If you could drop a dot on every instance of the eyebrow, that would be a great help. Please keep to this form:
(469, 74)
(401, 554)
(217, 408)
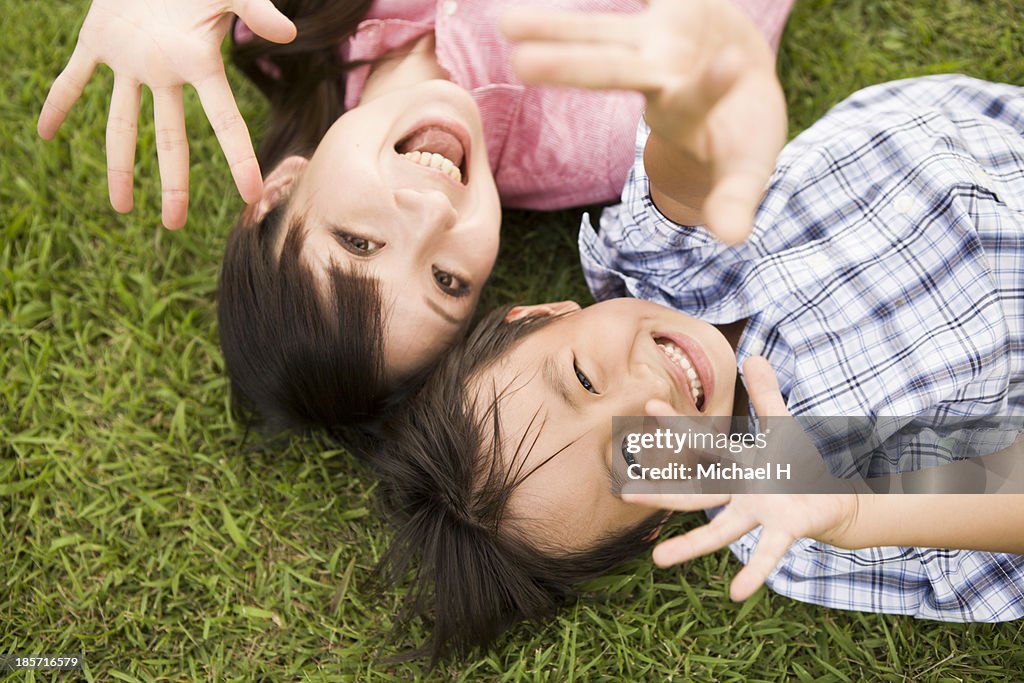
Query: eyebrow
(437, 308)
(556, 382)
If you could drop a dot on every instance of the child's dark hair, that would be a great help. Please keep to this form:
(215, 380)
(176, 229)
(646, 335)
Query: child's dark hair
(443, 476)
(298, 357)
(290, 351)
(305, 86)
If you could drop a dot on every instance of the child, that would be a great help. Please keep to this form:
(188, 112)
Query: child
(364, 255)
(882, 279)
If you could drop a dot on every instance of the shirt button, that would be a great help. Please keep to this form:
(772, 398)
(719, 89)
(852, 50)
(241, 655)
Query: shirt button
(903, 204)
(450, 6)
(982, 178)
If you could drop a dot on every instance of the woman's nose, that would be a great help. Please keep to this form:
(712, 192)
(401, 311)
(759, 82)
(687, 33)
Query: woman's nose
(430, 210)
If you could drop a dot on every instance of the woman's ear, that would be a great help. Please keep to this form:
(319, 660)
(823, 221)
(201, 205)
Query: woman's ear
(276, 187)
(554, 308)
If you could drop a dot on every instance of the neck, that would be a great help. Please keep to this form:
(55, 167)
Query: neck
(403, 67)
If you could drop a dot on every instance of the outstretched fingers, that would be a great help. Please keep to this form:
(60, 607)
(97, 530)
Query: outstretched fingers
(578, 49)
(584, 65)
(122, 132)
(771, 547)
(232, 134)
(172, 154)
(725, 528)
(64, 92)
(531, 24)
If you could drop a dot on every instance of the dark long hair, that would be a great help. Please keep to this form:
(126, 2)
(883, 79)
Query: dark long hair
(300, 351)
(307, 91)
(475, 571)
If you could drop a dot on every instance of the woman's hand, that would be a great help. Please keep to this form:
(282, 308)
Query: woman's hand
(164, 45)
(714, 104)
(783, 517)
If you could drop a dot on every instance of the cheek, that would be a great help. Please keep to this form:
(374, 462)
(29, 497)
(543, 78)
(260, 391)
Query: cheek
(481, 254)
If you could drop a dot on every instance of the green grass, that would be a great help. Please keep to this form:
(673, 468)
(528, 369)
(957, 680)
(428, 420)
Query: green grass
(141, 528)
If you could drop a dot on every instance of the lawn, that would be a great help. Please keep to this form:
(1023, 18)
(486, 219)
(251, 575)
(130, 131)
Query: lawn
(143, 529)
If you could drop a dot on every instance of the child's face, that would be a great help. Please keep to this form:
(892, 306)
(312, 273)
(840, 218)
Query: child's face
(561, 386)
(427, 232)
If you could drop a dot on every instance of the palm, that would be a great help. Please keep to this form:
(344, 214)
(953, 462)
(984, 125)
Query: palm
(164, 45)
(783, 518)
(158, 43)
(730, 120)
(710, 85)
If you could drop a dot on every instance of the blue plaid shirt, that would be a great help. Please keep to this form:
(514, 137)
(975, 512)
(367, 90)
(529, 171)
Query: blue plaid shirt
(885, 279)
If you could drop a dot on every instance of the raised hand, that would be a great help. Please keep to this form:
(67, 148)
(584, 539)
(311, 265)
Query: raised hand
(164, 45)
(783, 517)
(714, 104)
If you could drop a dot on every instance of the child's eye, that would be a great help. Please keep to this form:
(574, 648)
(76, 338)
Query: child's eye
(626, 455)
(582, 377)
(360, 246)
(450, 284)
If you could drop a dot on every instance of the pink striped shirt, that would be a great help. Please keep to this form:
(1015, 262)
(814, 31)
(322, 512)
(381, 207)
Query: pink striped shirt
(549, 147)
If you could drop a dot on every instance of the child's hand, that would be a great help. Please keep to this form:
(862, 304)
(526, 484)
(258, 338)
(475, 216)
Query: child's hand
(714, 104)
(783, 517)
(164, 45)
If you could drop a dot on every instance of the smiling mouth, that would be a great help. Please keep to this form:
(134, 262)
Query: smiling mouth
(686, 365)
(436, 147)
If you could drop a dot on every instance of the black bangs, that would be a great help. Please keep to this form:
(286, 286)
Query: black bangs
(298, 358)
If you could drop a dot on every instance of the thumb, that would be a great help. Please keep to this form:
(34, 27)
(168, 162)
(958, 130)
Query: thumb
(763, 388)
(731, 204)
(265, 20)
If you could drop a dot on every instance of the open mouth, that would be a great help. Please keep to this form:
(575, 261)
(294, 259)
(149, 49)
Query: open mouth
(684, 369)
(438, 147)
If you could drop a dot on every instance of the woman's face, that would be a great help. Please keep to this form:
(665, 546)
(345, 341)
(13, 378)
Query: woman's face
(561, 386)
(400, 188)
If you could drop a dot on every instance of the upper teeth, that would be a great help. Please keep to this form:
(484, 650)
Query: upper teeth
(434, 160)
(675, 353)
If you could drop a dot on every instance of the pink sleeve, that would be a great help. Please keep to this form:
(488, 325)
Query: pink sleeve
(769, 16)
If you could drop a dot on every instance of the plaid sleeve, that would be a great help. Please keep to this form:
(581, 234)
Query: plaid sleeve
(927, 583)
(636, 248)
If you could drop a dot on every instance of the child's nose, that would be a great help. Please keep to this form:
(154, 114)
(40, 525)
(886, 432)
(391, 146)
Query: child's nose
(645, 384)
(430, 210)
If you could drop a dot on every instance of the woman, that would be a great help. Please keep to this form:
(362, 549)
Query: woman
(363, 256)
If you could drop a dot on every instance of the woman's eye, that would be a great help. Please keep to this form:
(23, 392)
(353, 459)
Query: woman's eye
(360, 246)
(584, 380)
(450, 284)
